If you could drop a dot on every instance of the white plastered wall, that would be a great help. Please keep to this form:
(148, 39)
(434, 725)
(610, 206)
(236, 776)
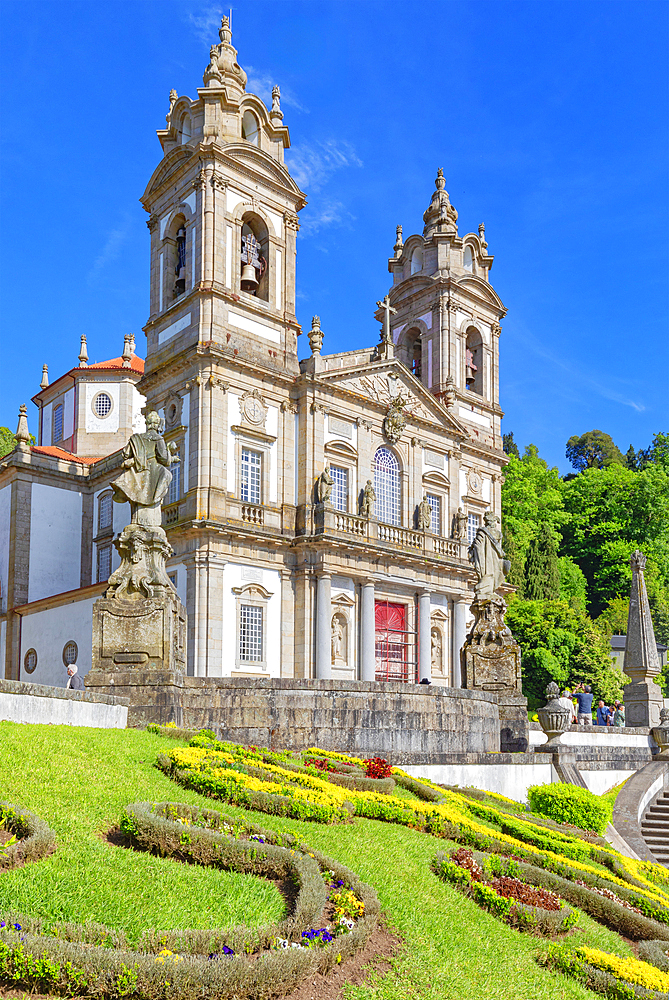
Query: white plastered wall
(47, 632)
(272, 427)
(233, 418)
(344, 586)
(55, 541)
(110, 423)
(236, 575)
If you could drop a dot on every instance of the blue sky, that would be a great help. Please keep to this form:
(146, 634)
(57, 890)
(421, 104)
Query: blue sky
(549, 119)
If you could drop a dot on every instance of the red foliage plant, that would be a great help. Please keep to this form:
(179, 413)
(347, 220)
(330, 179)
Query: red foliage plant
(377, 767)
(504, 885)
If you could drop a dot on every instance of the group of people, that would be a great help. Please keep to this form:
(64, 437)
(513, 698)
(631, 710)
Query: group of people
(579, 702)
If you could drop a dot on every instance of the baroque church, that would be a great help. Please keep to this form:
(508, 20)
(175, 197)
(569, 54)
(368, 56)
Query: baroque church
(320, 510)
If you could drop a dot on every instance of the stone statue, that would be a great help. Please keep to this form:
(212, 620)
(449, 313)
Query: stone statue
(487, 557)
(337, 639)
(368, 500)
(212, 72)
(147, 476)
(435, 641)
(460, 524)
(424, 520)
(324, 485)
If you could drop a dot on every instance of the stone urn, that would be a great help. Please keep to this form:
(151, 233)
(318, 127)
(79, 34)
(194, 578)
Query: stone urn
(554, 717)
(661, 732)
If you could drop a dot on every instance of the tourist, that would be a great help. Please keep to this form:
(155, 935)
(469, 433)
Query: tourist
(567, 703)
(74, 682)
(618, 714)
(584, 697)
(602, 713)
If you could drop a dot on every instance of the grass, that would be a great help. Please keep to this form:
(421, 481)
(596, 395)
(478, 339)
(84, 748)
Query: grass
(79, 779)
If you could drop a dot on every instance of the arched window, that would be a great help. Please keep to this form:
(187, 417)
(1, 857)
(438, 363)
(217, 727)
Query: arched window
(250, 130)
(468, 260)
(185, 130)
(105, 512)
(416, 260)
(57, 423)
(387, 486)
(175, 243)
(254, 279)
(416, 358)
(474, 361)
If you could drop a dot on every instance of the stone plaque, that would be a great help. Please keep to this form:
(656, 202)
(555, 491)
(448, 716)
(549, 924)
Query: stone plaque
(125, 634)
(341, 427)
(434, 459)
(251, 574)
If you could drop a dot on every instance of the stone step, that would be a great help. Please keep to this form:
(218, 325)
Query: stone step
(658, 811)
(658, 829)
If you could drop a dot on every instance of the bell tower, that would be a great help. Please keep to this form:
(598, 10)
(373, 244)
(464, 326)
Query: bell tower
(223, 222)
(446, 324)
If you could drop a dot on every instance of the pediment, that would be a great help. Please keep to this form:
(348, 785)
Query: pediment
(381, 382)
(476, 284)
(171, 164)
(262, 165)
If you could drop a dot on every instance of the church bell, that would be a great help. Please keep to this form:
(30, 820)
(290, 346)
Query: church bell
(249, 281)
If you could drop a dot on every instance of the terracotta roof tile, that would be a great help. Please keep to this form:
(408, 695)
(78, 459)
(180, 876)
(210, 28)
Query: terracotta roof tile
(66, 456)
(137, 364)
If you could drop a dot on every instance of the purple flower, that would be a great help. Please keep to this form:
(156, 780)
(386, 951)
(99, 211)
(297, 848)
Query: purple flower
(227, 951)
(2, 923)
(17, 927)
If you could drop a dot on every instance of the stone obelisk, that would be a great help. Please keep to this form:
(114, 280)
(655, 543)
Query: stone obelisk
(139, 625)
(643, 697)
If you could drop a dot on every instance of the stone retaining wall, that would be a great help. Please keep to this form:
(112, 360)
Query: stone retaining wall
(41, 704)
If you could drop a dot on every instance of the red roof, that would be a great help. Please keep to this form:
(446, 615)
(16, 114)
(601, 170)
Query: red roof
(66, 456)
(137, 364)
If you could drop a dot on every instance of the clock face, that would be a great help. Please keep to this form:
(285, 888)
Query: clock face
(254, 411)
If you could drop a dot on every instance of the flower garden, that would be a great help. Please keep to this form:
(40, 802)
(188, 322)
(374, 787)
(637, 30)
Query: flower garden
(344, 839)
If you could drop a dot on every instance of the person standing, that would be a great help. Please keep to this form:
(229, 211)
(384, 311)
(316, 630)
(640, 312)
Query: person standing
(74, 681)
(567, 703)
(618, 714)
(602, 713)
(584, 697)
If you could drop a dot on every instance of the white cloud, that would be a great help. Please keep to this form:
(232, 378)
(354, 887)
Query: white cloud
(109, 253)
(312, 164)
(206, 24)
(261, 83)
(325, 213)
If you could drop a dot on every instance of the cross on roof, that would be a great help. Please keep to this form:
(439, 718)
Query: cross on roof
(387, 309)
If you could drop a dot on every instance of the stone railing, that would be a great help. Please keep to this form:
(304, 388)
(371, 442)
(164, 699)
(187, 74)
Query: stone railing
(329, 521)
(252, 513)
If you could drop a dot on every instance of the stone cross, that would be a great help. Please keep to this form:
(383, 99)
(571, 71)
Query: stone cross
(388, 309)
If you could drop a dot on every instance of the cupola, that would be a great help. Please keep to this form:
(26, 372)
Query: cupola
(440, 216)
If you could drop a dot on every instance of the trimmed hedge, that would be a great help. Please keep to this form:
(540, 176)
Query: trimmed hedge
(566, 961)
(35, 838)
(655, 952)
(570, 804)
(91, 960)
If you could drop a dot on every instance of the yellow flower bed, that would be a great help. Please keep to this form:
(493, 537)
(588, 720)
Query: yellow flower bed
(341, 757)
(632, 970)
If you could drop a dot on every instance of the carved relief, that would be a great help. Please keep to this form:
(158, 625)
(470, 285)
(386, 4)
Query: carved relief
(395, 420)
(474, 482)
(253, 408)
(378, 388)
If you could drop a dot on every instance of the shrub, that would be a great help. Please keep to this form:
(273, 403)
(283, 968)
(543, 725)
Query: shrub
(378, 767)
(34, 838)
(656, 953)
(570, 804)
(614, 977)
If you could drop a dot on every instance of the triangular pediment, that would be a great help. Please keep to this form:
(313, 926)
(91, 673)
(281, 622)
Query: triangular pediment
(171, 164)
(380, 382)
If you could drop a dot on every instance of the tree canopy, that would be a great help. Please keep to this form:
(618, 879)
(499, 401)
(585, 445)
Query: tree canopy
(593, 450)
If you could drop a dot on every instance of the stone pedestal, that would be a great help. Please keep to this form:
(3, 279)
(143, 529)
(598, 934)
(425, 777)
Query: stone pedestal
(153, 695)
(643, 697)
(643, 703)
(491, 662)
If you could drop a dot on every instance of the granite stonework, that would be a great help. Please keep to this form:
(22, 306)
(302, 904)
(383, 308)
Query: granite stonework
(491, 662)
(148, 633)
(42, 704)
(643, 697)
(632, 802)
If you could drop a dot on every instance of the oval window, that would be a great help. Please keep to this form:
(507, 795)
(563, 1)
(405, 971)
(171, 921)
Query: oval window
(102, 404)
(70, 652)
(30, 661)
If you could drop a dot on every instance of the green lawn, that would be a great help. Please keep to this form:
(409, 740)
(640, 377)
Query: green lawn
(78, 780)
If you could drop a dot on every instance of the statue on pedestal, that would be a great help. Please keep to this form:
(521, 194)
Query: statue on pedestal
(487, 557)
(460, 525)
(424, 517)
(324, 485)
(368, 498)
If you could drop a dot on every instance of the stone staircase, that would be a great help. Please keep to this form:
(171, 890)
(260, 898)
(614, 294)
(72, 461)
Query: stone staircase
(655, 827)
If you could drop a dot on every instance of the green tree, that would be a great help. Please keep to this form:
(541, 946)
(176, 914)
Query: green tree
(531, 496)
(516, 575)
(592, 450)
(8, 441)
(657, 453)
(611, 512)
(541, 577)
(509, 445)
(573, 585)
(562, 644)
(631, 460)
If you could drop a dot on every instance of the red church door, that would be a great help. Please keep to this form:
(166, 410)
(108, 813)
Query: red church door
(393, 643)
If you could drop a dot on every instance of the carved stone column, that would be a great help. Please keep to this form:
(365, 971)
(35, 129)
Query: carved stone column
(323, 627)
(367, 633)
(424, 637)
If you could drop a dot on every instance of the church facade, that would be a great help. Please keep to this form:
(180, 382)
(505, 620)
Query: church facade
(320, 510)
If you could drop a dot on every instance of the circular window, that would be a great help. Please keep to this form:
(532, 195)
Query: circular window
(102, 404)
(70, 653)
(30, 661)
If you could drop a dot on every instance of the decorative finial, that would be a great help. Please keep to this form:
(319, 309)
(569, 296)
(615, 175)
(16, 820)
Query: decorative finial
(83, 352)
(224, 32)
(173, 100)
(399, 243)
(449, 392)
(127, 354)
(22, 433)
(276, 111)
(132, 344)
(316, 336)
(638, 561)
(482, 236)
(45, 377)
(440, 183)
